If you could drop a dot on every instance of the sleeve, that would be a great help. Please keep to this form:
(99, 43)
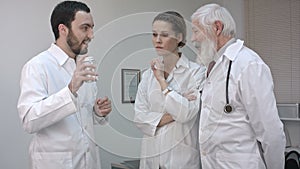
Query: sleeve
(145, 119)
(36, 108)
(102, 120)
(97, 120)
(181, 109)
(256, 88)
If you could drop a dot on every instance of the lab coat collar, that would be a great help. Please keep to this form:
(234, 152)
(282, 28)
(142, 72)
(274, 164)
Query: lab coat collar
(181, 65)
(232, 50)
(60, 56)
(183, 61)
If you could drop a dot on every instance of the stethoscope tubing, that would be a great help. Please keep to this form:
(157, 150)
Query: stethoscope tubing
(228, 107)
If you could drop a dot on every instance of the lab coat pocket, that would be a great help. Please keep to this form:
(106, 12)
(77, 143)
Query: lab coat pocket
(52, 160)
(238, 161)
(184, 156)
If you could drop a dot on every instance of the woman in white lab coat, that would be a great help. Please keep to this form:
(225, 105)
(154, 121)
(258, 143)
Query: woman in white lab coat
(169, 120)
(239, 124)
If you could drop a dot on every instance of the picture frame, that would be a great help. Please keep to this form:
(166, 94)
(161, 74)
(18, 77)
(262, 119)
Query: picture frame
(130, 81)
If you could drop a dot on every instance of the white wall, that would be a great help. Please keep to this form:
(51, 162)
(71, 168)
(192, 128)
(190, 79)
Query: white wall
(122, 40)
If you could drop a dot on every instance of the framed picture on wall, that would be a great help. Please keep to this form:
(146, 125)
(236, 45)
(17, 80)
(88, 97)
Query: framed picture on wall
(130, 81)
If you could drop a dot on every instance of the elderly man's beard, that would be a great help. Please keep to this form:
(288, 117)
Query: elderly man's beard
(206, 51)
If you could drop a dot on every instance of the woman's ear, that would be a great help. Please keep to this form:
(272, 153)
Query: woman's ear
(179, 38)
(218, 27)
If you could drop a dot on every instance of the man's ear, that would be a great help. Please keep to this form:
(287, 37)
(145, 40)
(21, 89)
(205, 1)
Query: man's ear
(63, 30)
(218, 27)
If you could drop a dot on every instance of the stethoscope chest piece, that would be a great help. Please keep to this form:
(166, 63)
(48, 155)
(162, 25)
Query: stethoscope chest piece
(227, 108)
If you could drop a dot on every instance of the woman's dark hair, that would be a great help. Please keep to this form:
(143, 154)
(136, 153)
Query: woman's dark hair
(64, 13)
(177, 22)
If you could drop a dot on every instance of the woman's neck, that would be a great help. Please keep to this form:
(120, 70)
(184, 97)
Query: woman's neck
(170, 61)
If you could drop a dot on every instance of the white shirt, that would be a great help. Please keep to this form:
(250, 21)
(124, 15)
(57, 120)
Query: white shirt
(62, 124)
(172, 146)
(230, 140)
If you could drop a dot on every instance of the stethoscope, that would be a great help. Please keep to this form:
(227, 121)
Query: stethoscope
(228, 107)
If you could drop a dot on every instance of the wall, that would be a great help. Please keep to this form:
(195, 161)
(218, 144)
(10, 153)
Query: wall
(122, 40)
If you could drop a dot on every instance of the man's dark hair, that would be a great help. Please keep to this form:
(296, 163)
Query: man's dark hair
(64, 13)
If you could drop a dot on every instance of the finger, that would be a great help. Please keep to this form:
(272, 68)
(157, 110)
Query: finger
(85, 76)
(101, 101)
(107, 102)
(83, 65)
(155, 61)
(104, 104)
(88, 72)
(152, 64)
(191, 97)
(78, 78)
(188, 93)
(104, 107)
(87, 66)
(105, 111)
(80, 58)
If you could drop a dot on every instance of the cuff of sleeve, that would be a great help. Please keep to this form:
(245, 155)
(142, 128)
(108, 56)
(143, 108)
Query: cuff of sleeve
(100, 120)
(99, 115)
(72, 96)
(153, 129)
(176, 106)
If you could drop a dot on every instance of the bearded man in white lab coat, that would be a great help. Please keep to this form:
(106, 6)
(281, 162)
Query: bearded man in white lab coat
(230, 136)
(56, 102)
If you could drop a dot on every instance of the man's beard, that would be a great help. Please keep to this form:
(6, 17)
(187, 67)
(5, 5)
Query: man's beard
(206, 51)
(75, 45)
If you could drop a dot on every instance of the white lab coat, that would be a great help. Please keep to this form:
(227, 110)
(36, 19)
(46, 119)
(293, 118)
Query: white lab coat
(62, 124)
(229, 141)
(175, 145)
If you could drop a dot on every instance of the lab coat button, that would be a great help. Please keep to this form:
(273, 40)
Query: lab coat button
(203, 153)
(85, 127)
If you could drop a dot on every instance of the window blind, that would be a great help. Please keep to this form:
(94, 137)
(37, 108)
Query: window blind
(273, 31)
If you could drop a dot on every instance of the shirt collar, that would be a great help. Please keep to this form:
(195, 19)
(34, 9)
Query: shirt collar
(223, 49)
(181, 65)
(233, 49)
(60, 56)
(182, 62)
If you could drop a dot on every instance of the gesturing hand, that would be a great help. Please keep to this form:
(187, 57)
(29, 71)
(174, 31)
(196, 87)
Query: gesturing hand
(83, 72)
(158, 69)
(102, 106)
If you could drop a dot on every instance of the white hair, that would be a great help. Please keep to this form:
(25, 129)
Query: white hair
(208, 14)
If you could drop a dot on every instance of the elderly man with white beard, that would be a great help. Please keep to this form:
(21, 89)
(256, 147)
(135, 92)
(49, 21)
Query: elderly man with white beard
(239, 123)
